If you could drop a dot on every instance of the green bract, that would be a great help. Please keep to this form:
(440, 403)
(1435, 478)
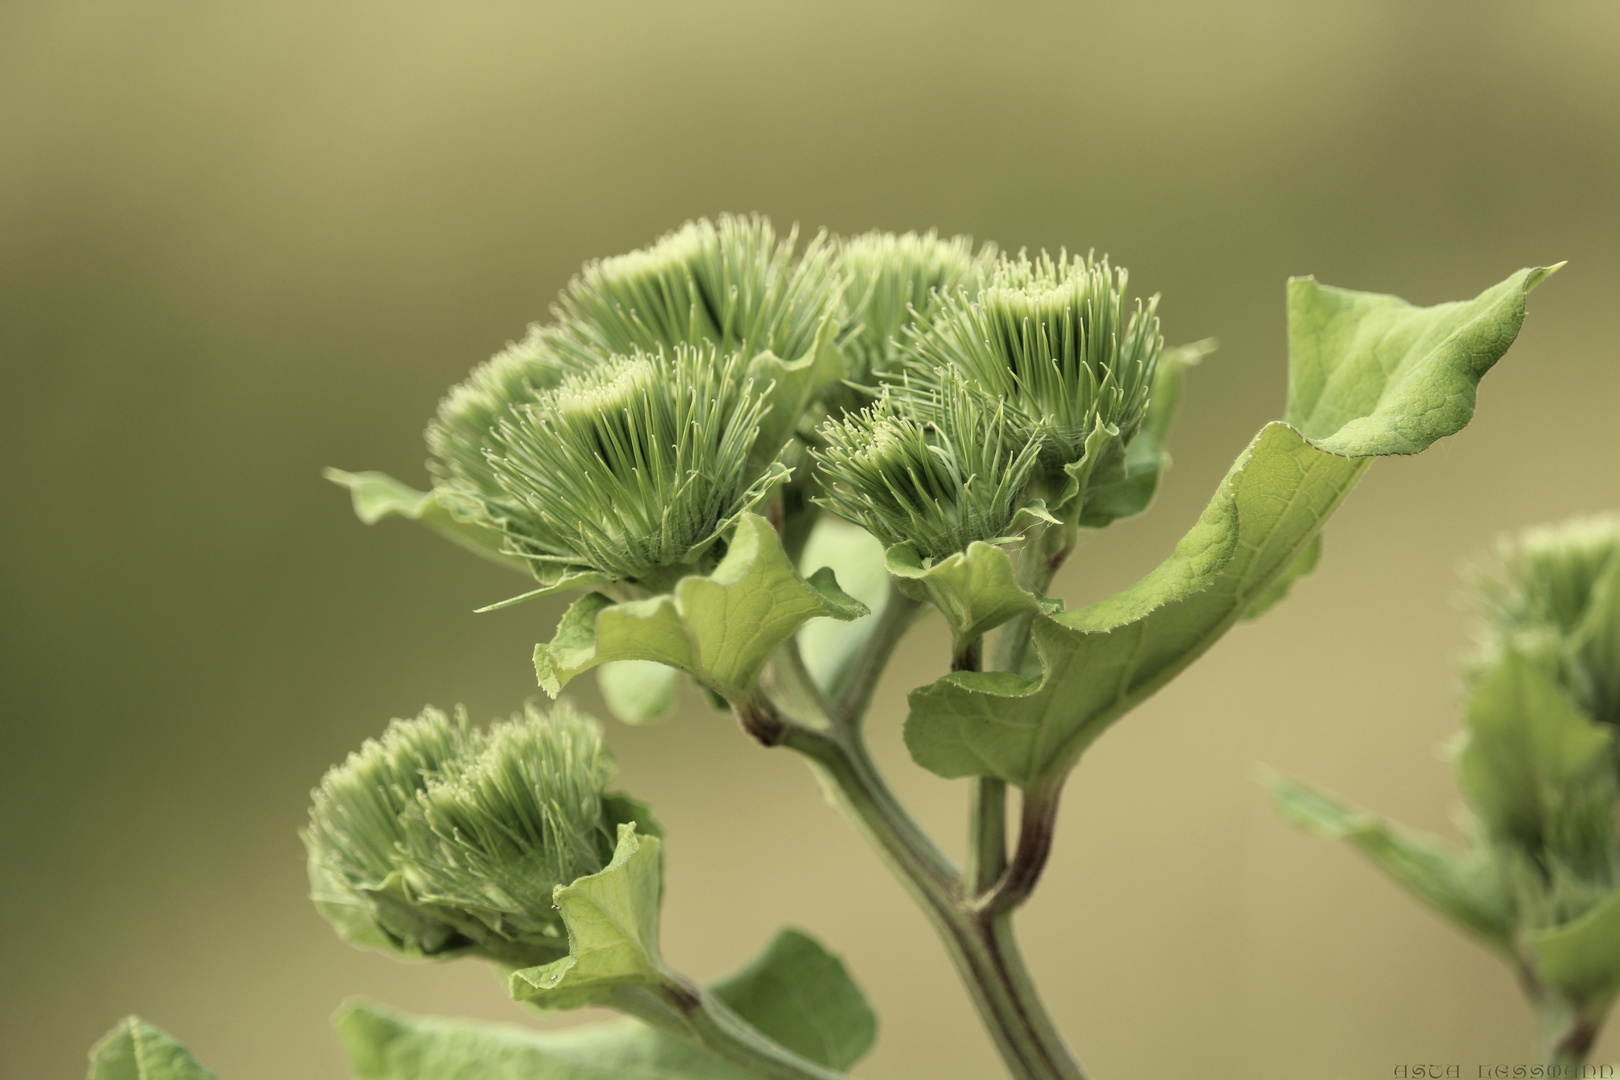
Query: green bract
(939, 484)
(437, 839)
(895, 282)
(627, 473)
(1055, 340)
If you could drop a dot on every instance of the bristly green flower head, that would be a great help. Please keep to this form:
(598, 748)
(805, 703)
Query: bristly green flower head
(629, 473)
(732, 283)
(1057, 341)
(896, 281)
(459, 434)
(1552, 595)
(940, 483)
(438, 840)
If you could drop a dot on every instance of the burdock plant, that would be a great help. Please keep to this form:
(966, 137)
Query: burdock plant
(705, 438)
(1539, 881)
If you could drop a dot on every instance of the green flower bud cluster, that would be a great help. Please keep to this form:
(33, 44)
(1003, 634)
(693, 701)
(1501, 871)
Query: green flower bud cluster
(631, 471)
(895, 282)
(439, 840)
(940, 483)
(1553, 597)
(618, 443)
(732, 283)
(1055, 339)
(1030, 386)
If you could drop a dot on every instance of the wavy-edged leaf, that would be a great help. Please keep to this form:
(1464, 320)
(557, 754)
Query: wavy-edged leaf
(797, 993)
(1370, 374)
(1582, 958)
(377, 495)
(1145, 457)
(638, 691)
(721, 629)
(1101, 661)
(1527, 747)
(975, 590)
(612, 922)
(1451, 881)
(136, 1050)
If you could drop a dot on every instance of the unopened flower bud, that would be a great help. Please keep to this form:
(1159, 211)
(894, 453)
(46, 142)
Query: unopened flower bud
(1056, 340)
(940, 483)
(438, 840)
(894, 282)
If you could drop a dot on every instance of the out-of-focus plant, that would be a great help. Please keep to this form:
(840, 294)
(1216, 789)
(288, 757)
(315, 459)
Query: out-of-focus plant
(705, 439)
(1539, 879)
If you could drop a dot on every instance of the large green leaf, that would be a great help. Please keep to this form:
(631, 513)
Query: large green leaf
(1527, 748)
(1582, 958)
(135, 1050)
(612, 922)
(796, 993)
(1145, 457)
(721, 629)
(1458, 885)
(1101, 661)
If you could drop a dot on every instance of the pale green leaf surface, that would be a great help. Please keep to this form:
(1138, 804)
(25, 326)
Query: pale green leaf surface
(377, 495)
(1302, 566)
(1370, 374)
(1582, 957)
(638, 691)
(1526, 745)
(796, 993)
(136, 1050)
(612, 922)
(975, 590)
(1145, 457)
(1099, 662)
(831, 646)
(1435, 872)
(721, 629)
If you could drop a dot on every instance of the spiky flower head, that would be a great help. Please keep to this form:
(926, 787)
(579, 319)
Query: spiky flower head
(893, 282)
(1056, 340)
(730, 282)
(629, 472)
(437, 839)
(1552, 595)
(940, 483)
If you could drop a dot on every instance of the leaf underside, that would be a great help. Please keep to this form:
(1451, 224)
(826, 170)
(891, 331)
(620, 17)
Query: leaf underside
(136, 1050)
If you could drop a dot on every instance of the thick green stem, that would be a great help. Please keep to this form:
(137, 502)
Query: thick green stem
(692, 1014)
(979, 943)
(987, 834)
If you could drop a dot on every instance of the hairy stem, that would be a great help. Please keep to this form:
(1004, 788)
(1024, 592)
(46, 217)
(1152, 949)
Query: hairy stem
(692, 1014)
(1037, 826)
(1565, 1029)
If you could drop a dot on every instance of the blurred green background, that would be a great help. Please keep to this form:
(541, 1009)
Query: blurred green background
(238, 244)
